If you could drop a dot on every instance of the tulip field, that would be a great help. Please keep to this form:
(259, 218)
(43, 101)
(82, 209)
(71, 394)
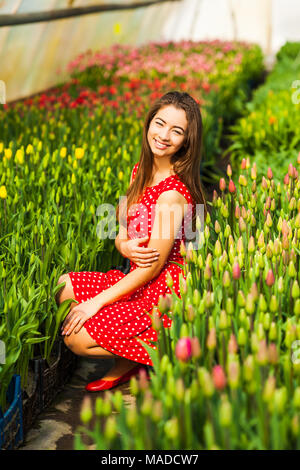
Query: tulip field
(227, 373)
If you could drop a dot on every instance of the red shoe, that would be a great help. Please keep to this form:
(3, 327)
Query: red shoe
(100, 384)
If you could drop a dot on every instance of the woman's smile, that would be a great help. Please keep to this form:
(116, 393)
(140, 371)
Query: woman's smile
(159, 145)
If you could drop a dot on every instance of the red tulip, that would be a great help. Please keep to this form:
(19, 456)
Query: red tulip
(243, 164)
(231, 187)
(219, 377)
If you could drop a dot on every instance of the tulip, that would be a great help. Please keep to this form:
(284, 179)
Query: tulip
(223, 321)
(241, 301)
(86, 413)
(264, 183)
(211, 339)
(242, 337)
(243, 164)
(233, 373)
(269, 388)
(236, 271)
(196, 349)
(262, 353)
(225, 413)
(291, 270)
(226, 279)
(229, 170)
(269, 173)
(183, 349)
(243, 180)
(231, 187)
(222, 184)
(232, 344)
(273, 354)
(229, 306)
(251, 245)
(217, 227)
(273, 332)
(3, 192)
(219, 377)
(270, 278)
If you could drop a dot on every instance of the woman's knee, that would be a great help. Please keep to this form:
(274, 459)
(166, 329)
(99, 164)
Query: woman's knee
(66, 289)
(73, 343)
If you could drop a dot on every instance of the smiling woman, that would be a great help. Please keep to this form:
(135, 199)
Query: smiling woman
(113, 307)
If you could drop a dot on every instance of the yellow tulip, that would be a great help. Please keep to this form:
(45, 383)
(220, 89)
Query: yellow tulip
(7, 153)
(73, 179)
(1, 147)
(20, 156)
(121, 174)
(29, 149)
(75, 165)
(3, 192)
(79, 152)
(63, 152)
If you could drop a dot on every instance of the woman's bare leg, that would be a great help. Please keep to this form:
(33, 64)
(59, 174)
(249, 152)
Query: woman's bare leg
(82, 344)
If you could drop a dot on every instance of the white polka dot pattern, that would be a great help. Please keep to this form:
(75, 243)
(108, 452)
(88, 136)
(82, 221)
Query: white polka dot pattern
(116, 326)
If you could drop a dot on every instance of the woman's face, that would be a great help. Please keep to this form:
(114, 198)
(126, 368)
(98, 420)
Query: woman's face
(167, 131)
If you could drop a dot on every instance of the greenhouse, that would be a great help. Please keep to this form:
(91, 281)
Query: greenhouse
(149, 227)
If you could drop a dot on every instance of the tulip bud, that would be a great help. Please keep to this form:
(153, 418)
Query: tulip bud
(273, 332)
(269, 389)
(280, 398)
(270, 278)
(222, 184)
(262, 353)
(241, 301)
(229, 171)
(211, 339)
(226, 279)
(223, 321)
(248, 368)
(225, 414)
(250, 305)
(242, 337)
(273, 354)
(251, 245)
(291, 270)
(196, 349)
(86, 413)
(233, 373)
(269, 173)
(229, 306)
(183, 349)
(273, 304)
(231, 187)
(236, 271)
(219, 378)
(232, 344)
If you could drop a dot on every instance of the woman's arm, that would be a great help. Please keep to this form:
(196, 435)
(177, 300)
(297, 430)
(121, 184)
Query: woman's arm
(167, 222)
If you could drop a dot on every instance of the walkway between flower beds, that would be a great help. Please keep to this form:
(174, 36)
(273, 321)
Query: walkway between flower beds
(55, 427)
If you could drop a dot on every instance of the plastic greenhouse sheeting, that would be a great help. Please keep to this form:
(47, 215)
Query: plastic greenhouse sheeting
(33, 57)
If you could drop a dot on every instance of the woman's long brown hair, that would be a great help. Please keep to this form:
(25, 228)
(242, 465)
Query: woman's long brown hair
(186, 161)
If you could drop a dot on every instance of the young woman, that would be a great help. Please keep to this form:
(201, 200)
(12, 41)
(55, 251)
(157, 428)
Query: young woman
(114, 308)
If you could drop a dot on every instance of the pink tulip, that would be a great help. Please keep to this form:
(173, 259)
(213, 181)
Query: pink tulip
(291, 170)
(222, 184)
(236, 271)
(232, 344)
(243, 164)
(270, 279)
(183, 349)
(219, 377)
(286, 179)
(269, 173)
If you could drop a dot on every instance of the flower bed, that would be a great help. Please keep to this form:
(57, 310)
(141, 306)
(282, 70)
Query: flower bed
(227, 373)
(268, 131)
(65, 152)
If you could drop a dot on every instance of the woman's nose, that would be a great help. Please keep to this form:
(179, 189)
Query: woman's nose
(164, 134)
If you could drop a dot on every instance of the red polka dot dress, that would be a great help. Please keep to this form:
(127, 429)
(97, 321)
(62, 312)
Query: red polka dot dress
(116, 326)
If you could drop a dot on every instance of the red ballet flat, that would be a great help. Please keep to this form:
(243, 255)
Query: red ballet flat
(100, 384)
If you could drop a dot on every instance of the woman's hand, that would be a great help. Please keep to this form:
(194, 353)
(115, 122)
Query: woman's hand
(141, 256)
(79, 315)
